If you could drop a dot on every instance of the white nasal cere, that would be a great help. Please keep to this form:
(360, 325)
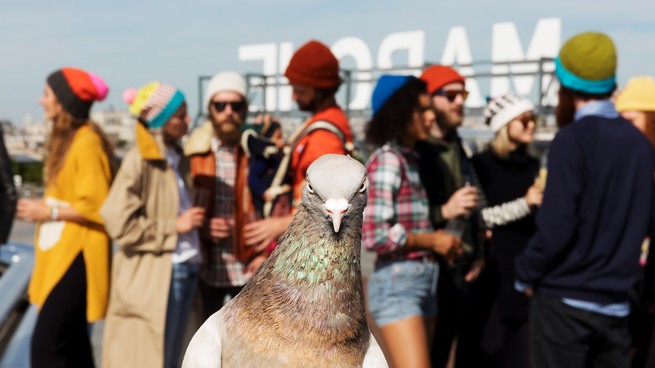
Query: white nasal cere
(336, 205)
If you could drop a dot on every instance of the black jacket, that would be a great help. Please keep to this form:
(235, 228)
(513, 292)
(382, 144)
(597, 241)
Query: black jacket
(505, 180)
(8, 195)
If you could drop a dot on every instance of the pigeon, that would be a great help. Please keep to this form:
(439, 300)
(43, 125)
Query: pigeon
(305, 305)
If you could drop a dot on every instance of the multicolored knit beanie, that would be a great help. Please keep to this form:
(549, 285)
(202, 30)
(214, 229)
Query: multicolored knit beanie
(501, 110)
(154, 104)
(438, 76)
(76, 90)
(587, 63)
(314, 65)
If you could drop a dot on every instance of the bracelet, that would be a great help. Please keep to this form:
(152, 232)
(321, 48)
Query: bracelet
(54, 213)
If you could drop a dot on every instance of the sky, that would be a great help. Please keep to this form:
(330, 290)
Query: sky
(130, 43)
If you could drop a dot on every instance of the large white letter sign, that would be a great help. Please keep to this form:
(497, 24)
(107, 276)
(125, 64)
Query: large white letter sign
(458, 52)
(413, 42)
(506, 48)
(284, 92)
(267, 52)
(357, 49)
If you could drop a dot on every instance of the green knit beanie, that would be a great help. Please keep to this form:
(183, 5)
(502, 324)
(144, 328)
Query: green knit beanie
(587, 63)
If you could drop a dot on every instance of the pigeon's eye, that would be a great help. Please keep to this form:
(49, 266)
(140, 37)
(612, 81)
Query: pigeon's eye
(362, 189)
(311, 190)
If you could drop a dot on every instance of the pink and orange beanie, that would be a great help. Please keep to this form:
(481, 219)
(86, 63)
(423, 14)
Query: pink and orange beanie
(76, 90)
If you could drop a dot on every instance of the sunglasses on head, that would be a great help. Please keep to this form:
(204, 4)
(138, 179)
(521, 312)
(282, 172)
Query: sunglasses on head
(235, 106)
(451, 94)
(526, 119)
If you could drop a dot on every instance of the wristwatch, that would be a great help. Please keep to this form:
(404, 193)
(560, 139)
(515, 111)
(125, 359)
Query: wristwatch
(54, 213)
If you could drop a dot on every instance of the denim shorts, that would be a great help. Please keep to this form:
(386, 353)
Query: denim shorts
(402, 289)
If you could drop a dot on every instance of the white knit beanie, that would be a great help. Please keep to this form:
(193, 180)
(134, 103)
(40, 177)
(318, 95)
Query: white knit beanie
(503, 109)
(225, 82)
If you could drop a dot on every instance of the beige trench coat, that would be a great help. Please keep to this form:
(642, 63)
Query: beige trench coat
(140, 214)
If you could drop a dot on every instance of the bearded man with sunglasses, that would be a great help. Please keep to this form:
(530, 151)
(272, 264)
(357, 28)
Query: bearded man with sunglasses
(219, 169)
(451, 185)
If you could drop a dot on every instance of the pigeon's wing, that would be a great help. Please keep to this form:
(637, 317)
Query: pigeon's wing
(374, 357)
(205, 348)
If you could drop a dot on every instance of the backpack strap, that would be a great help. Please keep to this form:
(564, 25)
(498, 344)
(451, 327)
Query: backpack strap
(321, 124)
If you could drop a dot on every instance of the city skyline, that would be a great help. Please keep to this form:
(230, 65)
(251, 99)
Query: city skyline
(130, 43)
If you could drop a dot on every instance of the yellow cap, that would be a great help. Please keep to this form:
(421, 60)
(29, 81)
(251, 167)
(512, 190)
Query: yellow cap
(638, 95)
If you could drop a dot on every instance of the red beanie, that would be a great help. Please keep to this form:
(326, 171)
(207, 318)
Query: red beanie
(314, 65)
(438, 76)
(76, 90)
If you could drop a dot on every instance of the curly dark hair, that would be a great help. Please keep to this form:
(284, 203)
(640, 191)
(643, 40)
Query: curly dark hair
(393, 119)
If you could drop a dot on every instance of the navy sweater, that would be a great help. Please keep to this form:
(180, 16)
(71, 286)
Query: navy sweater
(596, 211)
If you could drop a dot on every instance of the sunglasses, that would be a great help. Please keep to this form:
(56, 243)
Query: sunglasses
(527, 119)
(451, 94)
(236, 106)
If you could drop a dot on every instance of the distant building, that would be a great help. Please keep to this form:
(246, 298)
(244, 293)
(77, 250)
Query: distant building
(118, 125)
(30, 139)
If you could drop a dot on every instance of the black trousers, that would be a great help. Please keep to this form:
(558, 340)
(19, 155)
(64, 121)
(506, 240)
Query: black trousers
(507, 342)
(564, 336)
(213, 298)
(61, 335)
(462, 313)
(645, 356)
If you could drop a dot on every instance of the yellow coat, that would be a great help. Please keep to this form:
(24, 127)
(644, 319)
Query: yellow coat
(82, 183)
(140, 214)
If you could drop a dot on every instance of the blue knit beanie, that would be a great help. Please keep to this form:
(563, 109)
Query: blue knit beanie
(386, 87)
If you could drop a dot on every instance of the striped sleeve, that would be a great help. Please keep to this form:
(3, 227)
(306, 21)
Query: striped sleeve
(506, 213)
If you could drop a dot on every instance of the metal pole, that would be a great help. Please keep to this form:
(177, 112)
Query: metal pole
(540, 85)
(264, 90)
(200, 109)
(348, 80)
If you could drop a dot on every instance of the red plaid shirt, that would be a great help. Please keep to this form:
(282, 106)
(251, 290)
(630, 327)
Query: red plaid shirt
(223, 269)
(397, 203)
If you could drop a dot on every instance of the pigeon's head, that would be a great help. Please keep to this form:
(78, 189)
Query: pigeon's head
(336, 189)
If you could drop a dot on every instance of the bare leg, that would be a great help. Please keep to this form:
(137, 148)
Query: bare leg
(453, 354)
(406, 342)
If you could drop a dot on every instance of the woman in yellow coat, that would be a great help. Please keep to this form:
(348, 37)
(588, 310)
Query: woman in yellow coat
(150, 216)
(70, 281)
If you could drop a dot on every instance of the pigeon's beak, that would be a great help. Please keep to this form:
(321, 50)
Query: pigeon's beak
(336, 209)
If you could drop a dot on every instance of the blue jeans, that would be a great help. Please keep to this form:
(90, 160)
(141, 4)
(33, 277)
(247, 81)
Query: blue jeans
(180, 298)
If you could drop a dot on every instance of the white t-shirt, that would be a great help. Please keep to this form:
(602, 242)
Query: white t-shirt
(188, 244)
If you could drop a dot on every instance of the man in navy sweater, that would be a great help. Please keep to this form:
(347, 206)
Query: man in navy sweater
(597, 208)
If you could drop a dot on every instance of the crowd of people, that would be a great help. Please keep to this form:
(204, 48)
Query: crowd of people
(480, 262)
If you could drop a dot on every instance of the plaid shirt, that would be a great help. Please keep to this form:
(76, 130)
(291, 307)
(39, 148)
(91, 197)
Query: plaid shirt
(222, 269)
(397, 203)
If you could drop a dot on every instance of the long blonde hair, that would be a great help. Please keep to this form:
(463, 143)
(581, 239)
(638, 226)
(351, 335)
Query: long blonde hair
(501, 143)
(59, 141)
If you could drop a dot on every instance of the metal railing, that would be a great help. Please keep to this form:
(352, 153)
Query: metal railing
(17, 261)
(259, 84)
(474, 132)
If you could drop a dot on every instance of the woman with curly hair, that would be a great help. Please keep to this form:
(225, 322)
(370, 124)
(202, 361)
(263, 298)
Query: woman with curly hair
(402, 289)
